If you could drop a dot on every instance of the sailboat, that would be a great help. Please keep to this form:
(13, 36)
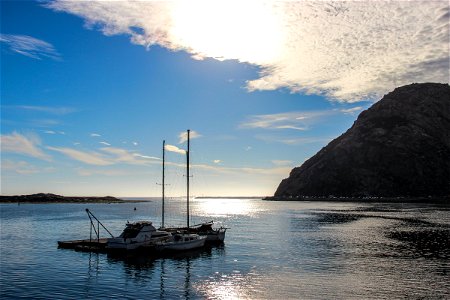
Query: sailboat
(180, 240)
(213, 235)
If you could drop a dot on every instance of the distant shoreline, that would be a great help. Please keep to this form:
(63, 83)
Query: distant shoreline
(52, 198)
(430, 199)
(229, 197)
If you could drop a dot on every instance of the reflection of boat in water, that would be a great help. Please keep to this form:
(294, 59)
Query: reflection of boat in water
(213, 235)
(166, 276)
(137, 235)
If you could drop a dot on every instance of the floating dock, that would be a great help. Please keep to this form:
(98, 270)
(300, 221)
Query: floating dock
(93, 245)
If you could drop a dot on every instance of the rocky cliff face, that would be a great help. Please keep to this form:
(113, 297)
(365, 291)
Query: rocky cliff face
(398, 147)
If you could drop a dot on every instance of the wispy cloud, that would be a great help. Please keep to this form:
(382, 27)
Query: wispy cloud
(346, 50)
(54, 132)
(146, 156)
(25, 145)
(30, 46)
(175, 149)
(247, 170)
(288, 120)
(90, 158)
(282, 162)
(119, 155)
(217, 161)
(293, 141)
(105, 143)
(353, 110)
(192, 135)
(46, 109)
(105, 156)
(19, 167)
(95, 135)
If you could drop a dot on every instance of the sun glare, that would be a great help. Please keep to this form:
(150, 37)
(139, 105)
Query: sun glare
(245, 30)
(226, 207)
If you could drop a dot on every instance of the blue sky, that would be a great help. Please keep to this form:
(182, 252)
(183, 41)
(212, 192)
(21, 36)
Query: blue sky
(89, 90)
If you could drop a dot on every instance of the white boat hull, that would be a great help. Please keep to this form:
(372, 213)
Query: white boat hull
(182, 245)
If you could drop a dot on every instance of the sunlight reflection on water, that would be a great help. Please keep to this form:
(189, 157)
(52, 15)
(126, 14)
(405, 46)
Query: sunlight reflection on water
(225, 207)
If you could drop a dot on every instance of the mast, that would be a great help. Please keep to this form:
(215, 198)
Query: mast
(187, 177)
(163, 183)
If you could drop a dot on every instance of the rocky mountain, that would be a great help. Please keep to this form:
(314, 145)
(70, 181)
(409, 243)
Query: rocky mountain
(399, 147)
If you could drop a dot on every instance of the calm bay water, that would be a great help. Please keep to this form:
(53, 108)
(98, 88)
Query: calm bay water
(273, 250)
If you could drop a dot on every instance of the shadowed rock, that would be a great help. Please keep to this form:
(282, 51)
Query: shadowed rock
(398, 147)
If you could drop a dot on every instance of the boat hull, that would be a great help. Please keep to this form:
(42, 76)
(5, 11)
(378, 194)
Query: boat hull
(205, 229)
(117, 245)
(182, 245)
(215, 237)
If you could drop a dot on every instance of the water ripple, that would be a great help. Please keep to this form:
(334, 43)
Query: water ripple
(274, 250)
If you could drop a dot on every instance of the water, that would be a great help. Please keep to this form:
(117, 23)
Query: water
(274, 250)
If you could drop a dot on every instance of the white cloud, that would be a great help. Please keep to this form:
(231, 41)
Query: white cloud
(90, 158)
(146, 156)
(106, 156)
(95, 135)
(248, 170)
(353, 110)
(351, 50)
(346, 50)
(105, 143)
(293, 141)
(217, 161)
(175, 149)
(25, 145)
(119, 155)
(135, 143)
(54, 132)
(282, 162)
(289, 120)
(192, 135)
(291, 127)
(30, 46)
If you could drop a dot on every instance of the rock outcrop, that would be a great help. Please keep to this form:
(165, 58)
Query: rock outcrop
(399, 147)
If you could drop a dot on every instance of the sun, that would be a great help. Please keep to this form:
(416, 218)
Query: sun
(248, 31)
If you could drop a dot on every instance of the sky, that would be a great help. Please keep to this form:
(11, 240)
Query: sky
(90, 89)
